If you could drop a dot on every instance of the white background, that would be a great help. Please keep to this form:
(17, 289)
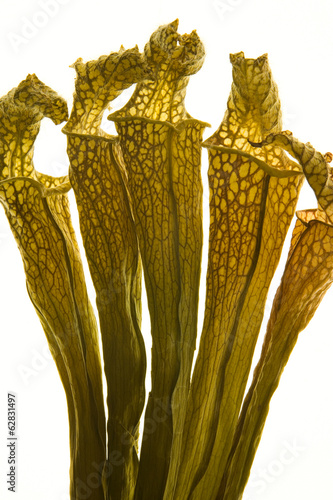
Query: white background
(298, 37)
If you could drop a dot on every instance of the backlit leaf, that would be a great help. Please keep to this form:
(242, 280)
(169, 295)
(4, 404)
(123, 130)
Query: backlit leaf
(307, 276)
(253, 194)
(99, 181)
(38, 212)
(161, 148)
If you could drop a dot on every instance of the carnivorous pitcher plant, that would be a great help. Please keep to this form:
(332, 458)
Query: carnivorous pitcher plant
(139, 199)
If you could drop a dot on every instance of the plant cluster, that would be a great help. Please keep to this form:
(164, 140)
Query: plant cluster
(139, 198)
